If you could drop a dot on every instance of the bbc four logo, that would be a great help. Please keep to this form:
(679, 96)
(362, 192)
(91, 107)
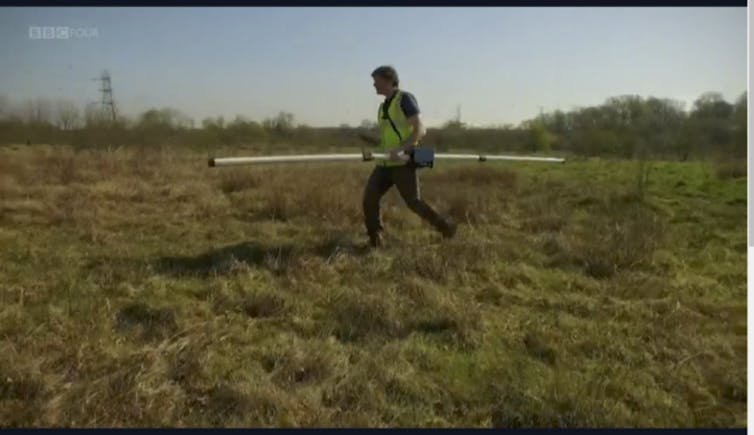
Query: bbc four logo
(62, 32)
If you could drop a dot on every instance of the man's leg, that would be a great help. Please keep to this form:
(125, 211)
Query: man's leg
(407, 182)
(378, 183)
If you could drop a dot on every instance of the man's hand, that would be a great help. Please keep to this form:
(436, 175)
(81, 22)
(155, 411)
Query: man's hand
(408, 144)
(397, 155)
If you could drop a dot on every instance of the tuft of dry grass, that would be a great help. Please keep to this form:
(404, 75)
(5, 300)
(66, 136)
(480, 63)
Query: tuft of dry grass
(358, 316)
(625, 240)
(482, 176)
(237, 180)
(153, 322)
(731, 170)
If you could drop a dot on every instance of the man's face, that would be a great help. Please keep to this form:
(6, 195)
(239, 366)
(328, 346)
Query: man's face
(382, 86)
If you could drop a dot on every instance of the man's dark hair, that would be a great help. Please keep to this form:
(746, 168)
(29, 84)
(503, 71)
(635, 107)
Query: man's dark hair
(387, 72)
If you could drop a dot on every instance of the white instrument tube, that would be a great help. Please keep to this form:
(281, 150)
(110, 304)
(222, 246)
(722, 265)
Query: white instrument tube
(233, 161)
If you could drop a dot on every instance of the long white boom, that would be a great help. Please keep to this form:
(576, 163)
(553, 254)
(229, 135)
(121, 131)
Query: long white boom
(483, 157)
(232, 161)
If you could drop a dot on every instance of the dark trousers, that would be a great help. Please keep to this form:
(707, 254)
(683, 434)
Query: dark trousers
(406, 180)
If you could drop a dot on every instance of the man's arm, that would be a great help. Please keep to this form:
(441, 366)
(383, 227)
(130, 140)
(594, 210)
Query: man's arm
(417, 134)
(410, 108)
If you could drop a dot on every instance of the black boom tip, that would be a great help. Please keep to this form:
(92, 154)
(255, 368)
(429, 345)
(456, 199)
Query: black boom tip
(211, 162)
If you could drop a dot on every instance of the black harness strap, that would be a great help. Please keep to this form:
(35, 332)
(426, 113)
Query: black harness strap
(385, 115)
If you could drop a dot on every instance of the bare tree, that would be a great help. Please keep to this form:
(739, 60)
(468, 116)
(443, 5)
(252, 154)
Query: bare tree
(94, 115)
(68, 114)
(163, 118)
(38, 111)
(282, 123)
(368, 124)
(4, 107)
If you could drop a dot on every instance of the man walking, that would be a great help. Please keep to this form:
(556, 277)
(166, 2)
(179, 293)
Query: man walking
(400, 130)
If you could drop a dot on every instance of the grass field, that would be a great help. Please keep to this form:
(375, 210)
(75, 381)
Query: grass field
(141, 288)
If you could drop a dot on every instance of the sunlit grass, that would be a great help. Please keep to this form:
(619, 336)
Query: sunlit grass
(145, 289)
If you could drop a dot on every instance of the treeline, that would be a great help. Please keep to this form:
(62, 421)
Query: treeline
(631, 126)
(624, 126)
(62, 122)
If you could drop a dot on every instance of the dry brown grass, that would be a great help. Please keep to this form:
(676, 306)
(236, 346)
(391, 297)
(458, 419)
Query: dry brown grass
(141, 288)
(731, 169)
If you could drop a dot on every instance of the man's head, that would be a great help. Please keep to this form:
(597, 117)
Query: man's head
(385, 80)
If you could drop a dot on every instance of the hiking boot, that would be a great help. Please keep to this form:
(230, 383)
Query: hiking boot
(449, 230)
(375, 240)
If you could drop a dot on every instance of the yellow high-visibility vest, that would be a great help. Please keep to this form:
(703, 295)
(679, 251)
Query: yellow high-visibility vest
(394, 128)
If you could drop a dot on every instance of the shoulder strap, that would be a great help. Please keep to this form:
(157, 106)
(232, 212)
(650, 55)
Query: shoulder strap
(386, 113)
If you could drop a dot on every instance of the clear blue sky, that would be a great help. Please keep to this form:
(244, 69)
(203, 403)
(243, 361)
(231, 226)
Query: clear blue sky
(499, 64)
